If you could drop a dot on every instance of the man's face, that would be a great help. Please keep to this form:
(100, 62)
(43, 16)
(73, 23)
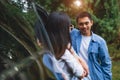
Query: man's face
(85, 24)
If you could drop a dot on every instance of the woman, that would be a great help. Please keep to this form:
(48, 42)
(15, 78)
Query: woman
(58, 30)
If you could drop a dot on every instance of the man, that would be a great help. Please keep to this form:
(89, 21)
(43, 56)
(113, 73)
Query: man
(92, 48)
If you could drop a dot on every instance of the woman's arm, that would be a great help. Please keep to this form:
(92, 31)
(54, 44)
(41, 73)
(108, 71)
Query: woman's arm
(81, 61)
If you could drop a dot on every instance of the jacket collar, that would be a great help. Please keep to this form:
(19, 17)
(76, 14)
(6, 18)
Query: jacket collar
(78, 40)
(93, 37)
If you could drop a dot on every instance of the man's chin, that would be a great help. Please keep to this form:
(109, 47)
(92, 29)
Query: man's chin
(83, 33)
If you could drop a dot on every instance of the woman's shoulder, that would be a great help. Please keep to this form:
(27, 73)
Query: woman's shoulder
(67, 55)
(51, 63)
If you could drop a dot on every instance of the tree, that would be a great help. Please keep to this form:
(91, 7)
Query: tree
(19, 58)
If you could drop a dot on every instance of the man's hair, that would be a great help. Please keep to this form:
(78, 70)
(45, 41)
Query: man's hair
(83, 14)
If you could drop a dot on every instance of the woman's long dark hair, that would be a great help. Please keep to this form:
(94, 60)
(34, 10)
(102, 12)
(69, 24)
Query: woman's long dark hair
(58, 31)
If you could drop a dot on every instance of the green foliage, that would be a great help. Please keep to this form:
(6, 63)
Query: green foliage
(107, 19)
(19, 58)
(106, 14)
(114, 51)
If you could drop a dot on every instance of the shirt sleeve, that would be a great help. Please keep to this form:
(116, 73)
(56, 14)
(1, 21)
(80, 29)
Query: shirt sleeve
(106, 63)
(73, 63)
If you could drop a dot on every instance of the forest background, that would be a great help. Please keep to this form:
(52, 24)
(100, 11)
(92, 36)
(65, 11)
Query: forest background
(106, 14)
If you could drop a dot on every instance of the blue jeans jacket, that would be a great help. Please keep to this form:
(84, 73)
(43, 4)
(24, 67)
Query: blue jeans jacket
(99, 61)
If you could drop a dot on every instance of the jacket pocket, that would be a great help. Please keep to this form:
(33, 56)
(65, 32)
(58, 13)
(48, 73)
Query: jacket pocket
(95, 68)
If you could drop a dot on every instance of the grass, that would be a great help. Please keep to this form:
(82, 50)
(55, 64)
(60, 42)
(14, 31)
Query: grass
(115, 55)
(116, 70)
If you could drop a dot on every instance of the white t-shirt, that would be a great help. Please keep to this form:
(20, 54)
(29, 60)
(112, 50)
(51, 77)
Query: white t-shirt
(70, 65)
(84, 47)
(83, 50)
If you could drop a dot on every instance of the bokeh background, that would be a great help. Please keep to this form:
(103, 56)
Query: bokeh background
(17, 38)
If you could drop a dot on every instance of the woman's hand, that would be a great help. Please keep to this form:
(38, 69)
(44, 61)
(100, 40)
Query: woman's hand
(84, 65)
(80, 60)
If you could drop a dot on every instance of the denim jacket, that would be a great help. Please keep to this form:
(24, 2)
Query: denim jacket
(99, 61)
